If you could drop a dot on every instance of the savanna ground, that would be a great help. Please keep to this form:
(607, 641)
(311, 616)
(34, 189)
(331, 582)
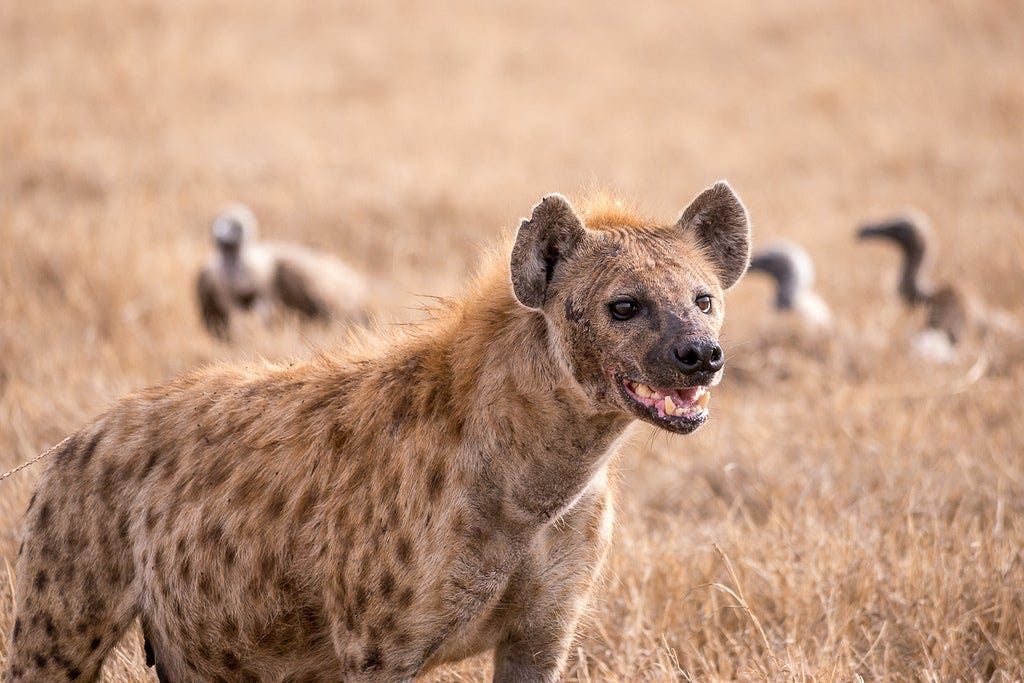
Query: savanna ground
(846, 513)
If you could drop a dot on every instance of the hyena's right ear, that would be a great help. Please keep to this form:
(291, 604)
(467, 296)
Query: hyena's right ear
(550, 235)
(718, 220)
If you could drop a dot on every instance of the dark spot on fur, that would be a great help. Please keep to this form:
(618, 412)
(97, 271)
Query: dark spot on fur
(436, 481)
(388, 622)
(48, 625)
(73, 673)
(276, 505)
(108, 480)
(49, 552)
(218, 473)
(185, 569)
(212, 533)
(44, 517)
(154, 455)
(321, 403)
(339, 437)
(373, 660)
(229, 629)
(404, 550)
(90, 448)
(123, 526)
(152, 517)
(41, 580)
(229, 555)
(244, 492)
(387, 584)
(68, 451)
(17, 629)
(572, 314)
(406, 597)
(94, 644)
(205, 584)
(40, 660)
(230, 660)
(459, 524)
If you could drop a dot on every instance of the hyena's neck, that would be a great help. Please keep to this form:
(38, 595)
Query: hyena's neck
(528, 431)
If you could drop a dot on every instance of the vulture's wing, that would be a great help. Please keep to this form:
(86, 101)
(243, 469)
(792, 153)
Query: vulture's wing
(295, 291)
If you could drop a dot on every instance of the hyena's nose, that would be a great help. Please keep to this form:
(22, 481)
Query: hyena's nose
(702, 355)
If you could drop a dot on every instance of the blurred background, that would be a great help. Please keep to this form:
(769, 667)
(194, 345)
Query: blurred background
(849, 510)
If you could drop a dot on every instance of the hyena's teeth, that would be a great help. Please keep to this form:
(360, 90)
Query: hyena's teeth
(655, 394)
(670, 407)
(703, 399)
(642, 390)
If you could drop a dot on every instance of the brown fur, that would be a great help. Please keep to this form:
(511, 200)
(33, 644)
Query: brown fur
(382, 509)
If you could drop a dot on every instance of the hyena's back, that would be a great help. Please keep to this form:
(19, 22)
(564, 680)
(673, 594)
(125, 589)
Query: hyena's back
(128, 522)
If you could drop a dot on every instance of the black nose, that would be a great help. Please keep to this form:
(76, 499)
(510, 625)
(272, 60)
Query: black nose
(702, 355)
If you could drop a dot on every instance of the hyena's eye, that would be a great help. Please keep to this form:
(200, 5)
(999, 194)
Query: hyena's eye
(703, 303)
(623, 309)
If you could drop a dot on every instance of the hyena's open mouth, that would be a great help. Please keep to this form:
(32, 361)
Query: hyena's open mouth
(681, 409)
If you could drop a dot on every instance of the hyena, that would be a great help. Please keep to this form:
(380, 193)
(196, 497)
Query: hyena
(378, 511)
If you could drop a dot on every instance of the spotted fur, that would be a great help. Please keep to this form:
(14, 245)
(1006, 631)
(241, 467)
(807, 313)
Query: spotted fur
(385, 508)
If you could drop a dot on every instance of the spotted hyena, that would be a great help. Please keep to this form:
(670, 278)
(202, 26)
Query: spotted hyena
(375, 512)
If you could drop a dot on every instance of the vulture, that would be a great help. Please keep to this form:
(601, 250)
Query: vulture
(947, 312)
(246, 274)
(790, 266)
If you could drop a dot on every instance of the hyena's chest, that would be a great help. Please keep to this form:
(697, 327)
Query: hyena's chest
(424, 593)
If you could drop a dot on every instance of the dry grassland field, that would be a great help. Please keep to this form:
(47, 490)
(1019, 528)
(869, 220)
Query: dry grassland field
(849, 512)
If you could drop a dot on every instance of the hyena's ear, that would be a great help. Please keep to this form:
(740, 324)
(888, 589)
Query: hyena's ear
(718, 220)
(550, 235)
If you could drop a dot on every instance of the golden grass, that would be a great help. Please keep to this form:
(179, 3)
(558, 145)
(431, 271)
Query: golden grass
(848, 513)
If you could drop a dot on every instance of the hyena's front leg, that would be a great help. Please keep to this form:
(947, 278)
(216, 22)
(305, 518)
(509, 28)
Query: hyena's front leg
(550, 591)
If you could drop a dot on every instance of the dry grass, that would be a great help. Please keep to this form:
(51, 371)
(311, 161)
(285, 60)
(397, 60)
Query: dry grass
(847, 513)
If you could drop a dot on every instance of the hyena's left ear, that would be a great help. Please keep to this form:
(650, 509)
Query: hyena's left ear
(550, 235)
(718, 220)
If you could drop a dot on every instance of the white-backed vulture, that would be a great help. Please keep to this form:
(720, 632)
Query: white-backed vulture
(244, 273)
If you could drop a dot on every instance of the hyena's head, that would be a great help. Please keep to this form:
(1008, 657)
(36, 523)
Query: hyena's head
(635, 308)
